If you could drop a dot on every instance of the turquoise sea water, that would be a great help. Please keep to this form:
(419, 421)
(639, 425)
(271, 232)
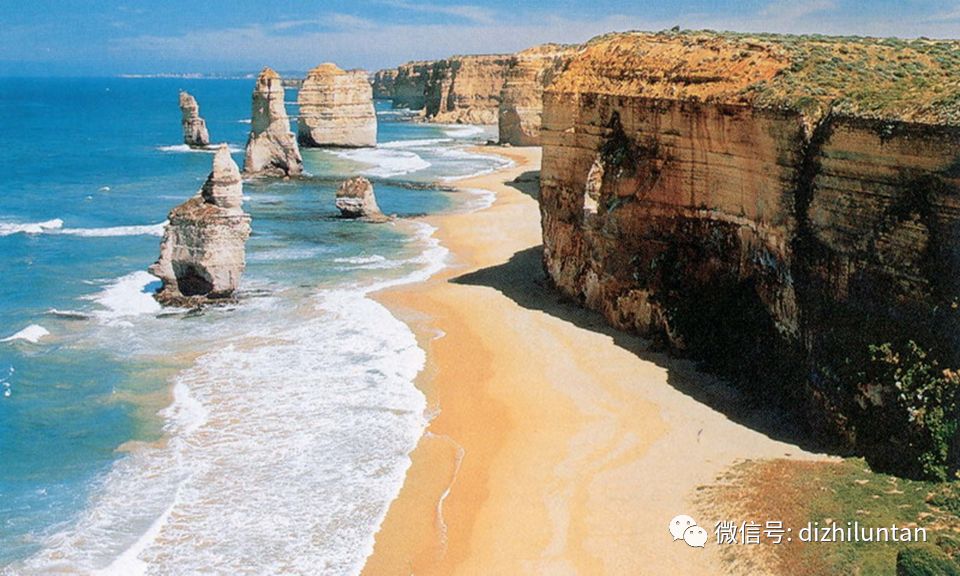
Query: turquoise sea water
(267, 436)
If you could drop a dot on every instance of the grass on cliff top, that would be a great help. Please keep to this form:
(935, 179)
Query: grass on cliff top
(885, 78)
(796, 493)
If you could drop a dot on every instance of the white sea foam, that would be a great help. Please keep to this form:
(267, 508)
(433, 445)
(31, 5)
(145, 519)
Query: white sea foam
(496, 163)
(385, 163)
(209, 149)
(68, 314)
(373, 259)
(285, 446)
(5, 382)
(127, 296)
(374, 262)
(397, 112)
(55, 226)
(32, 333)
(8, 228)
(481, 199)
(421, 143)
(145, 230)
(463, 131)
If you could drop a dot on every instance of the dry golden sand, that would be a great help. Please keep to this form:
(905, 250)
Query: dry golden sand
(560, 446)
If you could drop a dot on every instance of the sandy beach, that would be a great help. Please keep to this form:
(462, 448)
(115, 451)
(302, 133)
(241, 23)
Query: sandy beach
(559, 446)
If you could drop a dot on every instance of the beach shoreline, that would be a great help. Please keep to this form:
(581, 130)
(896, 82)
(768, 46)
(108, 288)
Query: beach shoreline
(557, 445)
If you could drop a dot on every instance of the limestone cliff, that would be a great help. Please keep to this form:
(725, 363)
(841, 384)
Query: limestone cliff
(459, 89)
(202, 254)
(466, 89)
(194, 127)
(780, 207)
(521, 100)
(271, 148)
(336, 109)
(406, 85)
(384, 83)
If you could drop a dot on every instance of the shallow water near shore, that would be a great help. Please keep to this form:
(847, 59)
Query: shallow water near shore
(272, 433)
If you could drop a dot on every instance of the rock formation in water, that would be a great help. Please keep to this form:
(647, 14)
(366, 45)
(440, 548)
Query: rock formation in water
(521, 100)
(271, 148)
(457, 90)
(355, 199)
(336, 109)
(746, 199)
(203, 247)
(194, 127)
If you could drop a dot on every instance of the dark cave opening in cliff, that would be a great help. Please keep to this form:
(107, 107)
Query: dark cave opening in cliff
(193, 282)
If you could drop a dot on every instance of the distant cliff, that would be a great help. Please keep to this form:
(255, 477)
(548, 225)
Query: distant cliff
(459, 89)
(521, 100)
(787, 209)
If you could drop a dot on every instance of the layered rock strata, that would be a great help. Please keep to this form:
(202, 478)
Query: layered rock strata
(521, 100)
(202, 254)
(745, 199)
(336, 109)
(457, 90)
(355, 199)
(194, 127)
(271, 148)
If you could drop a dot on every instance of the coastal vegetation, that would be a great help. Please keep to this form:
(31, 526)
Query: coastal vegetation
(835, 493)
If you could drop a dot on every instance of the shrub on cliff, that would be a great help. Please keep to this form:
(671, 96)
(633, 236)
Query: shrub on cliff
(911, 405)
(925, 561)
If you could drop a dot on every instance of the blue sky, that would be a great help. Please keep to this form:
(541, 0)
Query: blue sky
(74, 37)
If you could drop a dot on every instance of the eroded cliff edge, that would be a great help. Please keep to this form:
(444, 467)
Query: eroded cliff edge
(455, 90)
(784, 208)
(521, 100)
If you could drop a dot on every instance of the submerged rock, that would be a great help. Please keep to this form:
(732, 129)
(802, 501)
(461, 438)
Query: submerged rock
(202, 254)
(194, 127)
(355, 199)
(336, 109)
(272, 148)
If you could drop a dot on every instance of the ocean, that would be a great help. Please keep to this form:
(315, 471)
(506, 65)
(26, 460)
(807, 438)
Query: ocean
(264, 437)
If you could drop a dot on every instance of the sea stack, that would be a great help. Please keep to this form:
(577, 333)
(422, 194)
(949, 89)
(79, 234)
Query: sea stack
(194, 127)
(272, 148)
(336, 109)
(202, 255)
(355, 199)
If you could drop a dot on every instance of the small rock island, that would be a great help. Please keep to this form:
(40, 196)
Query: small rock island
(194, 127)
(272, 148)
(202, 254)
(336, 109)
(355, 199)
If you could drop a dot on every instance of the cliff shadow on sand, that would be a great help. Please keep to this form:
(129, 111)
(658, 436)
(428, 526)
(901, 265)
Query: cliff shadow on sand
(523, 280)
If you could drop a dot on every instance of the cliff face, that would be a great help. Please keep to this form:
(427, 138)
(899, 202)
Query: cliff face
(384, 82)
(460, 89)
(271, 148)
(406, 84)
(693, 191)
(466, 89)
(521, 100)
(336, 109)
(194, 127)
(202, 254)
